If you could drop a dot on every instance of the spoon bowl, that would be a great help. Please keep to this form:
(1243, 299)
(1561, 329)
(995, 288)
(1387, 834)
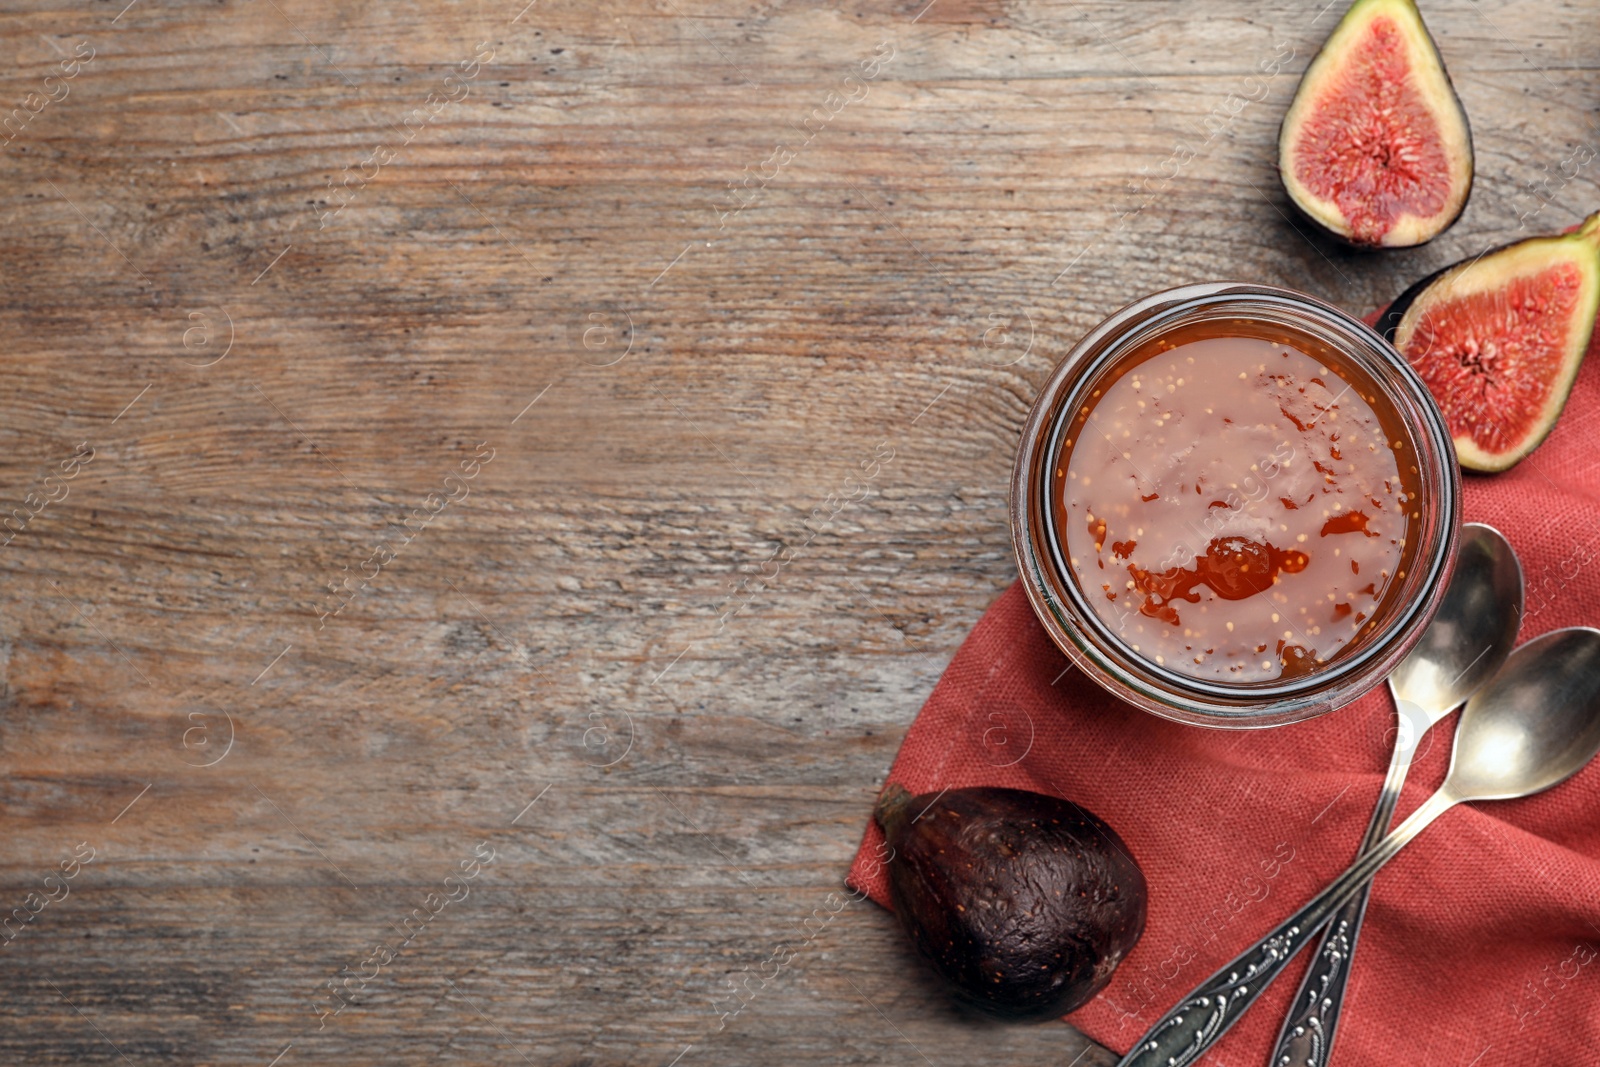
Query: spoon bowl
(1536, 724)
(1473, 632)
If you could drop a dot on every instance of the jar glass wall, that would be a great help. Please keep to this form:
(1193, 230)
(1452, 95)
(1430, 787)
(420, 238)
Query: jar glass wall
(1086, 610)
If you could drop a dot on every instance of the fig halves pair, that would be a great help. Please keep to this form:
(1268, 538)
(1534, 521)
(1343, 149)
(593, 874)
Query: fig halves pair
(1376, 150)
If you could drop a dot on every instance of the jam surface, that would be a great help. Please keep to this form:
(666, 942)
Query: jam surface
(1236, 502)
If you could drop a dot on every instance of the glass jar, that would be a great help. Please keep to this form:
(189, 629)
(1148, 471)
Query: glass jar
(1061, 603)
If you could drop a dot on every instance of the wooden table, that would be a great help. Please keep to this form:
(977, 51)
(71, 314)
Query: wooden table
(491, 485)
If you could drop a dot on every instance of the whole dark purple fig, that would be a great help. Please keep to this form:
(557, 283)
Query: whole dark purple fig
(1023, 902)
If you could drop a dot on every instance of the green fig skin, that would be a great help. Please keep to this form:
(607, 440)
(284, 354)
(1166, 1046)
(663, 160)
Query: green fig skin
(1023, 903)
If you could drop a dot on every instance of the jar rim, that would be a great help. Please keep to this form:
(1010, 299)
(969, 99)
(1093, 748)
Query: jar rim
(1081, 633)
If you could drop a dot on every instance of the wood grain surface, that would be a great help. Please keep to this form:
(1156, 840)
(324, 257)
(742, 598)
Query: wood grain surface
(564, 444)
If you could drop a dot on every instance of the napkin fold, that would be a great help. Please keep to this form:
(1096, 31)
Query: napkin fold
(1482, 942)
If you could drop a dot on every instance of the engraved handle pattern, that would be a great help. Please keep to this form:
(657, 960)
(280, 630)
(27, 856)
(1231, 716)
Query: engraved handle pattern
(1200, 1018)
(1195, 1023)
(1306, 1039)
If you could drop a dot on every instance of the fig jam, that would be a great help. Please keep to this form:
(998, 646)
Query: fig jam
(1236, 501)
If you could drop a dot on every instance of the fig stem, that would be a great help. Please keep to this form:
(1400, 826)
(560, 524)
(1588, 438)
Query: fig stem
(1591, 228)
(893, 808)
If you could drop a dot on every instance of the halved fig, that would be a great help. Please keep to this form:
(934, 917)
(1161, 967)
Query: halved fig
(1499, 338)
(1375, 148)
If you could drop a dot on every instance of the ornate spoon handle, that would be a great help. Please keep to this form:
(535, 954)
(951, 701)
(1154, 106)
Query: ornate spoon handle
(1199, 1019)
(1307, 1036)
(1306, 1039)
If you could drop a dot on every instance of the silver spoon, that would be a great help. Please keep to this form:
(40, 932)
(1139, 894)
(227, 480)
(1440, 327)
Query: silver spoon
(1467, 642)
(1535, 724)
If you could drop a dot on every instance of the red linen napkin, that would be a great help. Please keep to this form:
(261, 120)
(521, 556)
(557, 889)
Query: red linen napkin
(1482, 942)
